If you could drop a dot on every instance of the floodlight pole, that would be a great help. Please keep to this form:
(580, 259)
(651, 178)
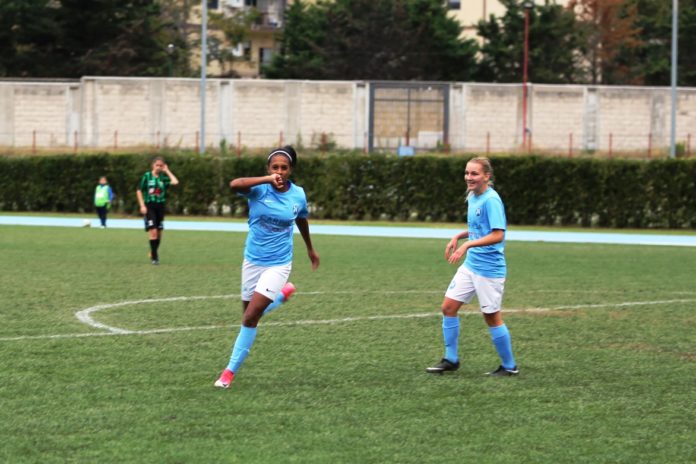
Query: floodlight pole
(204, 65)
(528, 5)
(673, 129)
(170, 53)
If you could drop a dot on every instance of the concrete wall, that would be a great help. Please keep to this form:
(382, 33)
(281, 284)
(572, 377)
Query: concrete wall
(128, 112)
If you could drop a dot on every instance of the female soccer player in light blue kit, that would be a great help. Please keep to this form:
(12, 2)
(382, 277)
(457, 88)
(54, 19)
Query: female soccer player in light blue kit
(483, 272)
(275, 206)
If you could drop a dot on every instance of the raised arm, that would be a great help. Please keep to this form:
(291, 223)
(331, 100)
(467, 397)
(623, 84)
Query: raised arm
(172, 178)
(244, 184)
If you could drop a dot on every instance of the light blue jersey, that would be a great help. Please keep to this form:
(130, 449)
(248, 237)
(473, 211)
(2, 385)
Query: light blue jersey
(486, 212)
(272, 217)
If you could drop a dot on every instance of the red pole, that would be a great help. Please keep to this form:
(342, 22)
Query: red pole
(239, 144)
(33, 141)
(524, 76)
(649, 144)
(688, 145)
(196, 138)
(75, 140)
(365, 144)
(610, 143)
(570, 145)
(115, 139)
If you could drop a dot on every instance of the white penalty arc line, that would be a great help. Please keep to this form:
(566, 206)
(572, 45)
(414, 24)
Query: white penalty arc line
(85, 317)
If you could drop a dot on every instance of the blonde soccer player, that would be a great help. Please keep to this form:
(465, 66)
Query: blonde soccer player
(483, 272)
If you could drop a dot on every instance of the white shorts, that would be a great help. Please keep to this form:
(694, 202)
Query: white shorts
(266, 280)
(488, 290)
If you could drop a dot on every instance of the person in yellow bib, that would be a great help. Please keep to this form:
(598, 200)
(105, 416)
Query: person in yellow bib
(103, 197)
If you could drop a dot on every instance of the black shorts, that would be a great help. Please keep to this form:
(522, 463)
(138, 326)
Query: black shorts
(154, 218)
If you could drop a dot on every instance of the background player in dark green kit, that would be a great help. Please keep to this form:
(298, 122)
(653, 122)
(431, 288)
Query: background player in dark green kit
(152, 194)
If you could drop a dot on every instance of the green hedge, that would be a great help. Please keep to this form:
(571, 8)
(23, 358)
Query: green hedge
(536, 190)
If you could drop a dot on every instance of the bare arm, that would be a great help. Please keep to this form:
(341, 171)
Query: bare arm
(244, 184)
(143, 208)
(452, 244)
(172, 177)
(496, 236)
(303, 227)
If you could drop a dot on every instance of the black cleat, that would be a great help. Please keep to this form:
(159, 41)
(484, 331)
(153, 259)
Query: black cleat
(442, 366)
(503, 372)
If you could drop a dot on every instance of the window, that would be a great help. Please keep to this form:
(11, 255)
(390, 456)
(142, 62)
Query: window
(265, 56)
(453, 4)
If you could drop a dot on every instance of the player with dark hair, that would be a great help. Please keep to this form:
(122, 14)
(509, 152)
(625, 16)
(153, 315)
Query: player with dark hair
(275, 205)
(152, 195)
(483, 272)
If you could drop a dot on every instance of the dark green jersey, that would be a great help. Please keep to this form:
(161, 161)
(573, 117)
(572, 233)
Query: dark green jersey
(154, 189)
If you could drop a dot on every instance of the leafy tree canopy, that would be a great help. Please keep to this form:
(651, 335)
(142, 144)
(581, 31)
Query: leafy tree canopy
(73, 38)
(611, 33)
(373, 39)
(651, 61)
(554, 42)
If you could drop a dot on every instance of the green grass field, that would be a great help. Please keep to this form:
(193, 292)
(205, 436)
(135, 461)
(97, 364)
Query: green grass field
(603, 335)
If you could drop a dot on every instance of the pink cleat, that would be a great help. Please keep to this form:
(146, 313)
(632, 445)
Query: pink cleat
(225, 379)
(287, 291)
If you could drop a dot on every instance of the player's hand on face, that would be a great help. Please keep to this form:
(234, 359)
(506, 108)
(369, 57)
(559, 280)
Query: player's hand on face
(277, 181)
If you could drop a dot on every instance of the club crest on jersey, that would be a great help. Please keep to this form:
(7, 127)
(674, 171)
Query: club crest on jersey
(478, 211)
(295, 209)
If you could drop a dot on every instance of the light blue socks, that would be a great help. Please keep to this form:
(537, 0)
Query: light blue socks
(280, 299)
(450, 332)
(241, 347)
(503, 344)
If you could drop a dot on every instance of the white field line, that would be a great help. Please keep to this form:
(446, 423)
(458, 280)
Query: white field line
(85, 315)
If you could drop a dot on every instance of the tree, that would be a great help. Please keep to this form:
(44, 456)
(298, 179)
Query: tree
(28, 34)
(114, 37)
(176, 14)
(73, 38)
(555, 43)
(610, 28)
(651, 61)
(372, 39)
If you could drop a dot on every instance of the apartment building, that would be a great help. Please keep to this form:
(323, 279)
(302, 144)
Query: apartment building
(470, 12)
(262, 42)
